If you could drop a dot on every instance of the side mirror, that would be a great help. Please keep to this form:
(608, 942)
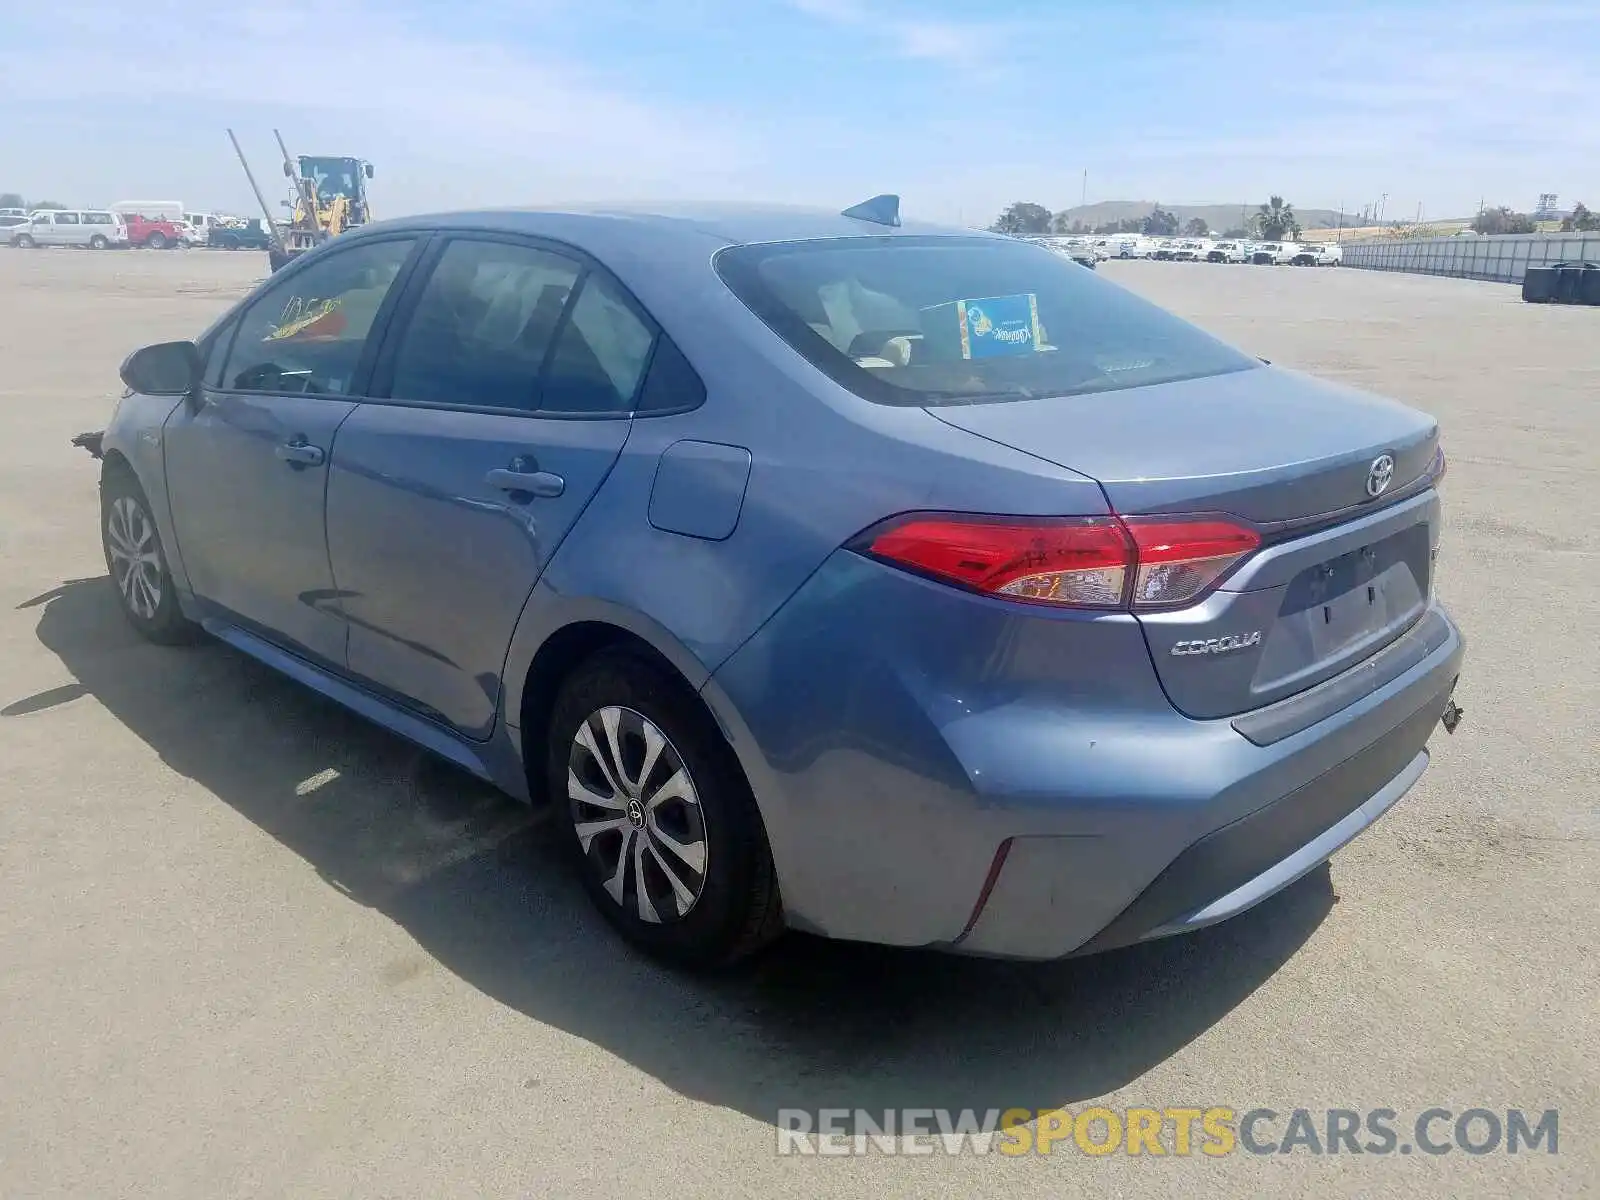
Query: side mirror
(368, 169)
(165, 369)
(288, 169)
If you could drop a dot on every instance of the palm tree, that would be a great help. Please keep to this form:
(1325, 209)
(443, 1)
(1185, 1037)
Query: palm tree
(1275, 220)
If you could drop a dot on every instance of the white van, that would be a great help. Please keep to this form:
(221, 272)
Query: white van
(202, 224)
(1319, 254)
(96, 228)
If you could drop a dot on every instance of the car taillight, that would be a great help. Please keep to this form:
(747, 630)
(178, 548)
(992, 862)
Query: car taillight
(1177, 560)
(1438, 466)
(1079, 562)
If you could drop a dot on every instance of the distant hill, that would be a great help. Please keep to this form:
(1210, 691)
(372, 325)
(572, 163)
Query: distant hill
(1216, 216)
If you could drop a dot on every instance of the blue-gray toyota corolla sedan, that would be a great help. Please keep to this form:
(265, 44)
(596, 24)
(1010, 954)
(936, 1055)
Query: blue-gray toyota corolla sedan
(902, 584)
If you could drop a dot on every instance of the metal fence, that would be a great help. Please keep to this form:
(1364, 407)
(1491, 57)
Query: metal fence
(1504, 258)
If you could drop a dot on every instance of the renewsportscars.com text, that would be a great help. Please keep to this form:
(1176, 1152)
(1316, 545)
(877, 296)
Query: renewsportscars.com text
(1180, 1131)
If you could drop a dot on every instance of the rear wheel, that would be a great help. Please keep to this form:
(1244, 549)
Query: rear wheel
(138, 565)
(98, 242)
(658, 816)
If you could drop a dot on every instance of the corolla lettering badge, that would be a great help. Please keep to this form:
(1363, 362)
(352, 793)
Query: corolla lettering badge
(1219, 645)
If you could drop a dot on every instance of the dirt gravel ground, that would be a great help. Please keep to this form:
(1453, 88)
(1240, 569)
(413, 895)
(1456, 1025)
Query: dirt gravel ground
(251, 946)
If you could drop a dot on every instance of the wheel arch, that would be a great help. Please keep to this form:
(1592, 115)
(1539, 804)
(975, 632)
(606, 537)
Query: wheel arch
(555, 635)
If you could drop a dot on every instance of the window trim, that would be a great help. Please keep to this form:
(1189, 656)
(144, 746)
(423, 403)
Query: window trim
(363, 375)
(223, 332)
(382, 381)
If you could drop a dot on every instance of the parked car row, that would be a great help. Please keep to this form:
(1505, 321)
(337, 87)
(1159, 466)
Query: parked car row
(1093, 250)
(155, 225)
(1080, 250)
(1227, 250)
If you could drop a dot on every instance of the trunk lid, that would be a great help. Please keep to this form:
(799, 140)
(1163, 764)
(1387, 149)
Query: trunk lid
(1340, 574)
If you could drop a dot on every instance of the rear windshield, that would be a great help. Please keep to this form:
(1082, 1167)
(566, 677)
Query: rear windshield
(953, 320)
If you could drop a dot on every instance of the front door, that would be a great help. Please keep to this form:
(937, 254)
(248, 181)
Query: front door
(510, 389)
(247, 458)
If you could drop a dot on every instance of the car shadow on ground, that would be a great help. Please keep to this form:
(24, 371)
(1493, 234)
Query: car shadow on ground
(477, 880)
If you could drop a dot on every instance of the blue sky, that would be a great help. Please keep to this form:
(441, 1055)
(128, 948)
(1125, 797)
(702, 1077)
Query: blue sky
(959, 107)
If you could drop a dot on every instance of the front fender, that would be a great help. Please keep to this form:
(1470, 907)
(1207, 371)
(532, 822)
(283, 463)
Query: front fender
(134, 437)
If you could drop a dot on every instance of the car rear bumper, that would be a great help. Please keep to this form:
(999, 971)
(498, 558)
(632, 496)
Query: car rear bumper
(940, 770)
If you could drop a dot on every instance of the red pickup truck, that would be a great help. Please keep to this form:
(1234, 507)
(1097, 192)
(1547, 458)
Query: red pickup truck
(154, 232)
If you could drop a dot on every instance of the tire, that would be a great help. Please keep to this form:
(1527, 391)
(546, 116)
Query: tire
(137, 563)
(23, 242)
(156, 241)
(98, 242)
(720, 901)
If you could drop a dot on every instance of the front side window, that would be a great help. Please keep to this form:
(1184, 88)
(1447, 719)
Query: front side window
(307, 333)
(484, 325)
(957, 320)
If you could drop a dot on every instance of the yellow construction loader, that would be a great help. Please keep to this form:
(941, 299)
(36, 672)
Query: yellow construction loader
(330, 196)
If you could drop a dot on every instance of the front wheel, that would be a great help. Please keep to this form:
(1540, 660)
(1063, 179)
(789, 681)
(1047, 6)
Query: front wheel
(138, 565)
(157, 241)
(659, 819)
(98, 242)
(23, 242)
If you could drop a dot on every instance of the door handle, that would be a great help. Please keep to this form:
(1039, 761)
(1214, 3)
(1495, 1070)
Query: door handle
(300, 453)
(544, 484)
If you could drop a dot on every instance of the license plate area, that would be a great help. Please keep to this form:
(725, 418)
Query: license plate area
(1348, 606)
(1355, 600)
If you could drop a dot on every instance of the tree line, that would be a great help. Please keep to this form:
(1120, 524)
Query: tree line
(1273, 221)
(14, 200)
(1504, 220)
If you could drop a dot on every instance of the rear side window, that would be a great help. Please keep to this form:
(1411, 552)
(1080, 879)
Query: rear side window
(600, 353)
(483, 326)
(671, 384)
(954, 320)
(66, 218)
(307, 332)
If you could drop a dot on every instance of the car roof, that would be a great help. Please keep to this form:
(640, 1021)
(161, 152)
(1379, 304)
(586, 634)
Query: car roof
(596, 225)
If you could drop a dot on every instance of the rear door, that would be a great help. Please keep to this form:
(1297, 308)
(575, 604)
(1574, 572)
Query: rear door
(508, 382)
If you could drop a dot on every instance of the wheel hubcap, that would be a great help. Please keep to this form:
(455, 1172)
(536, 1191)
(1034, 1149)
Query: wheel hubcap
(637, 814)
(135, 560)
